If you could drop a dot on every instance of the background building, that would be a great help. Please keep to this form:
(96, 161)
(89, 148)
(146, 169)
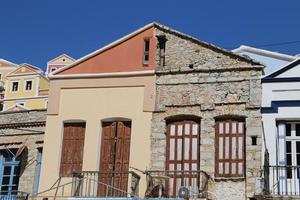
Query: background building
(59, 62)
(21, 140)
(281, 120)
(26, 89)
(5, 68)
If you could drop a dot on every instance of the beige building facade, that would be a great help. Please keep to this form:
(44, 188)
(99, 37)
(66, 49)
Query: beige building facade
(94, 99)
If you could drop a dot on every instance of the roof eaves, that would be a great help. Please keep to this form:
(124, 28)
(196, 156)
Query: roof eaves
(263, 52)
(8, 62)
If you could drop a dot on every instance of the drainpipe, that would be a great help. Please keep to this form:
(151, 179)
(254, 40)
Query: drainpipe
(266, 163)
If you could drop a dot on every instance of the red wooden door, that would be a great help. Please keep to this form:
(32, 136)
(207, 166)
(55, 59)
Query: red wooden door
(114, 160)
(183, 155)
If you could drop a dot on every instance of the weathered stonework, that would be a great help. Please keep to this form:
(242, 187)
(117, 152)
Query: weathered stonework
(204, 81)
(20, 133)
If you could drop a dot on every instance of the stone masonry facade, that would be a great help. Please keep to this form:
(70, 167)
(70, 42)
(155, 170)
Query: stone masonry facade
(201, 80)
(25, 128)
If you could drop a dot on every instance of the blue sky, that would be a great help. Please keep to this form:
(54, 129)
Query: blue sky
(35, 31)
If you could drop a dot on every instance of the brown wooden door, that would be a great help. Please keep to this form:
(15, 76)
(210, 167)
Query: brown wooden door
(183, 155)
(114, 160)
(72, 148)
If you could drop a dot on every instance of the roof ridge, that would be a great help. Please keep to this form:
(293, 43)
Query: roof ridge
(61, 56)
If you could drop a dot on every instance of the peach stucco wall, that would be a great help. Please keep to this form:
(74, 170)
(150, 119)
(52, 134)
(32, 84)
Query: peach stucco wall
(93, 100)
(126, 56)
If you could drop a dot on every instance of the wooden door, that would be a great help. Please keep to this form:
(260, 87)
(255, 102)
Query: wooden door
(72, 149)
(114, 160)
(183, 155)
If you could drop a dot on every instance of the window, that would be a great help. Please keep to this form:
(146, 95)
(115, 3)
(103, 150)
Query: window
(146, 52)
(292, 149)
(72, 148)
(183, 155)
(10, 168)
(37, 170)
(53, 69)
(162, 48)
(230, 148)
(20, 103)
(28, 85)
(46, 103)
(15, 86)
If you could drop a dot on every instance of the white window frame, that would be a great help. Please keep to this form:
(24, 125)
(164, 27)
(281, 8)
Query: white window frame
(21, 102)
(12, 86)
(26, 85)
(146, 53)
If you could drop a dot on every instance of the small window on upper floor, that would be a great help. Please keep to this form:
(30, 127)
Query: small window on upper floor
(15, 86)
(53, 69)
(146, 52)
(162, 49)
(28, 85)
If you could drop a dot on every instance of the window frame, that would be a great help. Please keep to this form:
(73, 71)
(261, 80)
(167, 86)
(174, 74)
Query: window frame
(162, 40)
(25, 85)
(13, 164)
(146, 53)
(21, 102)
(12, 86)
(230, 160)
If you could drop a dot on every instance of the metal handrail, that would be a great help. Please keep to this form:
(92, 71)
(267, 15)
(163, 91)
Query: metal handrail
(89, 189)
(14, 195)
(282, 180)
(164, 175)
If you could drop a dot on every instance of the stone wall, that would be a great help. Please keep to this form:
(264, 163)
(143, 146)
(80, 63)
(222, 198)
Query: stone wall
(19, 135)
(207, 82)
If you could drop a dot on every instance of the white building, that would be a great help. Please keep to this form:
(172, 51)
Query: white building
(281, 120)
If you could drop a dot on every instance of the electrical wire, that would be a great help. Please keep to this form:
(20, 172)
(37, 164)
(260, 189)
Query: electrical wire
(271, 44)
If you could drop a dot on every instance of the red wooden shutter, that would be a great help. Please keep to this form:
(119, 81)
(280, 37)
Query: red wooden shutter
(72, 148)
(230, 148)
(183, 154)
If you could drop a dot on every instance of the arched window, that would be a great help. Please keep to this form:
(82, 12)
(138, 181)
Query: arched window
(182, 154)
(230, 147)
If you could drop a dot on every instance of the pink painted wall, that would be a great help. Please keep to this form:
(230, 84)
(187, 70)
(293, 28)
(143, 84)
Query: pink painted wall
(127, 56)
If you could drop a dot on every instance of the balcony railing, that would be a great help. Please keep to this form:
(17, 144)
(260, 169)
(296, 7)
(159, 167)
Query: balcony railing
(282, 180)
(105, 184)
(174, 183)
(13, 195)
